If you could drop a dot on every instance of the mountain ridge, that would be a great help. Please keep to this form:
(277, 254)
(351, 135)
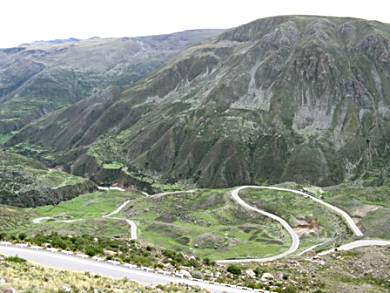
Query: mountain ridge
(277, 99)
(40, 77)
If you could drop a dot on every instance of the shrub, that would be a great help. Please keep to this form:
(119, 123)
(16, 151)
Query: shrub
(15, 259)
(234, 269)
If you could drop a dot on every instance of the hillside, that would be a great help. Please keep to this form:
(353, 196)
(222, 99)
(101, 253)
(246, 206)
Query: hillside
(40, 77)
(25, 182)
(298, 98)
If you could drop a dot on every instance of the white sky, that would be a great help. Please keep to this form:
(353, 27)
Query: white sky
(29, 20)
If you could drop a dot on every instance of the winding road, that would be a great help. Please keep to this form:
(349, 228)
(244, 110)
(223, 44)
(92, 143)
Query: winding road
(132, 224)
(357, 244)
(355, 229)
(294, 236)
(74, 263)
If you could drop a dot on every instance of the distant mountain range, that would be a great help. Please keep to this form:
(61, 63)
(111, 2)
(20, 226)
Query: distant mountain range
(40, 77)
(302, 98)
(52, 42)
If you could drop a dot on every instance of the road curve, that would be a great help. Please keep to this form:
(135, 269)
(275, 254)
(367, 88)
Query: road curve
(355, 229)
(357, 244)
(294, 236)
(117, 271)
(132, 224)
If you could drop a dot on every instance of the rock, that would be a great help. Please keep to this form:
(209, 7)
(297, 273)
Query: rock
(266, 277)
(185, 273)
(109, 252)
(250, 273)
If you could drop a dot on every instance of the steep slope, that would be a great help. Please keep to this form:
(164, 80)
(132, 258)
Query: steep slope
(40, 77)
(25, 182)
(300, 98)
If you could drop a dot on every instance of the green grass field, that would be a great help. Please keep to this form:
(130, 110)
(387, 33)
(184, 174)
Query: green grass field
(312, 221)
(81, 215)
(370, 206)
(208, 224)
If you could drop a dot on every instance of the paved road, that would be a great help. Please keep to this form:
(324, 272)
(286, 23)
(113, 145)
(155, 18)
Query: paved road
(78, 264)
(294, 236)
(357, 244)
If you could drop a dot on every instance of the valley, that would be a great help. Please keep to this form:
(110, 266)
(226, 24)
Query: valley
(253, 158)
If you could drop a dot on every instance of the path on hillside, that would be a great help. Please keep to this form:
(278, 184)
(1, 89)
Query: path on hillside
(82, 264)
(355, 229)
(132, 224)
(294, 236)
(235, 196)
(357, 244)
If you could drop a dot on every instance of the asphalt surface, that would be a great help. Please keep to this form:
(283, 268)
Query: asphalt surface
(78, 264)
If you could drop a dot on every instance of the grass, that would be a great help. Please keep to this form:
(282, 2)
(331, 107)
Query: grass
(81, 215)
(26, 277)
(113, 166)
(370, 206)
(206, 224)
(10, 161)
(297, 210)
(4, 137)
(87, 206)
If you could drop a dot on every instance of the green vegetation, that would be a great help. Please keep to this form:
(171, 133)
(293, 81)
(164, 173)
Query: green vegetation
(4, 138)
(369, 205)
(81, 215)
(15, 259)
(26, 182)
(312, 221)
(234, 269)
(26, 277)
(207, 224)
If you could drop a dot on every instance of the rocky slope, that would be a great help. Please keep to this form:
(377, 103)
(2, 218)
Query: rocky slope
(40, 77)
(25, 182)
(300, 98)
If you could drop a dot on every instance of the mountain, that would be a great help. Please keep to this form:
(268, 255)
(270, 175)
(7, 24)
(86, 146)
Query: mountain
(300, 98)
(43, 76)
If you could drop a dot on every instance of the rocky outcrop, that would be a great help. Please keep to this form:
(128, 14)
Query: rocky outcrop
(40, 196)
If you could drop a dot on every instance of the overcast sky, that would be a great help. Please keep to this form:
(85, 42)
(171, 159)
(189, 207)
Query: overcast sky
(28, 20)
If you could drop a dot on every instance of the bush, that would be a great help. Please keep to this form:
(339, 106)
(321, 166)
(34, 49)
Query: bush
(15, 259)
(234, 269)
(197, 275)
